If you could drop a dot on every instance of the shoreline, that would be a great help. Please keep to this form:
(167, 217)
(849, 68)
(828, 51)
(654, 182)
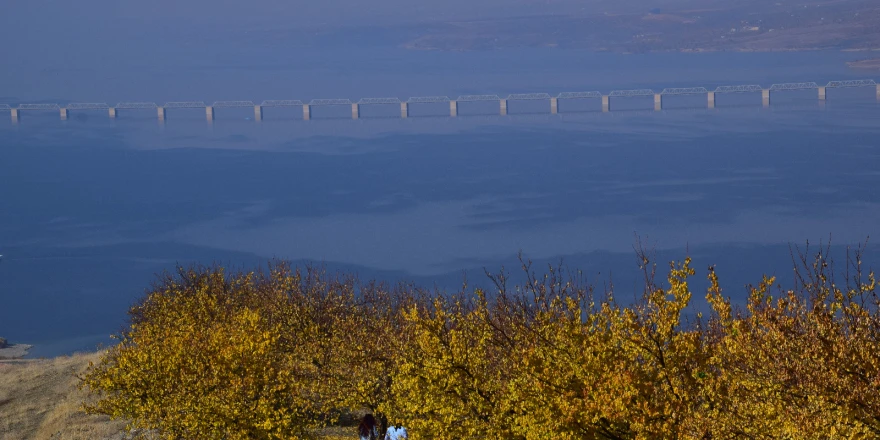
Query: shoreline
(14, 352)
(408, 46)
(867, 64)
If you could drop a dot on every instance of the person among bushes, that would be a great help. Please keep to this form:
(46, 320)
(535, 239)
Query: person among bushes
(367, 428)
(396, 433)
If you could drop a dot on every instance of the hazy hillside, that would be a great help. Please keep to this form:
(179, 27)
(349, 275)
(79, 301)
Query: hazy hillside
(736, 26)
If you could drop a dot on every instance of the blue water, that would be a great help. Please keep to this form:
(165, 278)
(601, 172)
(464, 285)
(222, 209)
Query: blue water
(91, 208)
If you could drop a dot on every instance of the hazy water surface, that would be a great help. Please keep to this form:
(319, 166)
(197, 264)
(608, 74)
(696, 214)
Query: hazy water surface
(91, 208)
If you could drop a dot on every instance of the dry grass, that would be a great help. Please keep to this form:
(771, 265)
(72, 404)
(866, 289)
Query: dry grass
(39, 400)
(338, 433)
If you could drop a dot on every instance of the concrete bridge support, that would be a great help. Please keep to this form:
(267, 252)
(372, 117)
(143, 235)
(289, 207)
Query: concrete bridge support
(821, 93)
(258, 113)
(554, 106)
(606, 103)
(404, 110)
(209, 113)
(503, 107)
(765, 97)
(63, 112)
(355, 111)
(711, 96)
(160, 111)
(14, 114)
(658, 102)
(878, 92)
(453, 108)
(307, 112)
(111, 112)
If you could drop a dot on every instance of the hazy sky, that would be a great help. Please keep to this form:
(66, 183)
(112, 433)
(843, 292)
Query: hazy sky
(79, 46)
(73, 17)
(70, 16)
(63, 35)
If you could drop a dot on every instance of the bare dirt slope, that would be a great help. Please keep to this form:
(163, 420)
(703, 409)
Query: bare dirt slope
(39, 399)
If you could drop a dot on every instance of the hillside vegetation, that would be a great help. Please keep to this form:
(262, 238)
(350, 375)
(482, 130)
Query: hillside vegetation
(282, 353)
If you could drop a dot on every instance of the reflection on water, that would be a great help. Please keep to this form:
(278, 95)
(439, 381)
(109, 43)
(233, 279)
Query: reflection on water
(91, 208)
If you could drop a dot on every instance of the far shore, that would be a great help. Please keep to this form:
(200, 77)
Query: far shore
(868, 64)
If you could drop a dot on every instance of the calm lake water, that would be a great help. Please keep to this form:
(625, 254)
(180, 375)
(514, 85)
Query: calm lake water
(91, 208)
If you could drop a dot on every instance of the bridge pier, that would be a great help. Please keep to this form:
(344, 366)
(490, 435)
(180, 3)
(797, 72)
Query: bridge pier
(209, 113)
(160, 111)
(453, 108)
(658, 102)
(111, 112)
(878, 92)
(503, 107)
(63, 112)
(258, 113)
(307, 112)
(355, 111)
(554, 106)
(606, 103)
(821, 93)
(765, 97)
(711, 96)
(404, 110)
(14, 115)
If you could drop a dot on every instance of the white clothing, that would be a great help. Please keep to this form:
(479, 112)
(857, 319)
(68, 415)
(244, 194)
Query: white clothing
(396, 433)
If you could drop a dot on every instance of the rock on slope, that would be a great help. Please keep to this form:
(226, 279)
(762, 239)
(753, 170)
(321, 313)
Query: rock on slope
(12, 351)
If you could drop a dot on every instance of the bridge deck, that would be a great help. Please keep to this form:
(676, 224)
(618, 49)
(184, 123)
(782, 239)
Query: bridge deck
(744, 88)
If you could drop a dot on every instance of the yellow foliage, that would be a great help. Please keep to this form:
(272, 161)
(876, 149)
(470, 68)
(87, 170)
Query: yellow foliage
(448, 380)
(275, 356)
(204, 358)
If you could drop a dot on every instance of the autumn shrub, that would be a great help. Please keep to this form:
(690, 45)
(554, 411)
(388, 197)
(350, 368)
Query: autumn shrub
(278, 354)
(211, 355)
(552, 359)
(450, 382)
(804, 363)
(545, 361)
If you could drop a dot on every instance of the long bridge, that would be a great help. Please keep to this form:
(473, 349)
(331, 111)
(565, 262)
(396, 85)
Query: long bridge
(606, 99)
